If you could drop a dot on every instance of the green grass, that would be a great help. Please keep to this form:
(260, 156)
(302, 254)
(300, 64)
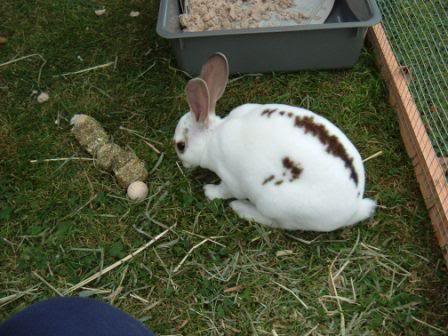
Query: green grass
(63, 220)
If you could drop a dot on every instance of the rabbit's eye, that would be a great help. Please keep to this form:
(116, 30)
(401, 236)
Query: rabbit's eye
(180, 146)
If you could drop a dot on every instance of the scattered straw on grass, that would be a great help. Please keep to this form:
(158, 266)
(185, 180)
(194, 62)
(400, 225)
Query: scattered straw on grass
(13, 297)
(256, 75)
(308, 333)
(212, 239)
(145, 140)
(176, 69)
(91, 199)
(373, 156)
(158, 163)
(168, 272)
(293, 294)
(119, 262)
(233, 289)
(145, 71)
(119, 288)
(444, 332)
(307, 242)
(334, 291)
(152, 305)
(44, 61)
(139, 298)
(188, 254)
(39, 199)
(47, 283)
(101, 66)
(284, 253)
(63, 159)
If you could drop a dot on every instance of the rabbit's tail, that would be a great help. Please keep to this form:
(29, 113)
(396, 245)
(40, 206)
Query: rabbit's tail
(365, 210)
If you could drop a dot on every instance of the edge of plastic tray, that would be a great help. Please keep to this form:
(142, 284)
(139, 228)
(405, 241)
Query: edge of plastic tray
(163, 32)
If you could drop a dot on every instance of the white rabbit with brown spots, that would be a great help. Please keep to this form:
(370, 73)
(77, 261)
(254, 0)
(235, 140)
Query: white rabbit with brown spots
(287, 167)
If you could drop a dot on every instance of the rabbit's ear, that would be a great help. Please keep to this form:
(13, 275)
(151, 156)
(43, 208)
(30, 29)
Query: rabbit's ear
(198, 98)
(215, 73)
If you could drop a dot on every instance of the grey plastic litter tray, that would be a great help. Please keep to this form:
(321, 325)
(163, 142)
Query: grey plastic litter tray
(335, 44)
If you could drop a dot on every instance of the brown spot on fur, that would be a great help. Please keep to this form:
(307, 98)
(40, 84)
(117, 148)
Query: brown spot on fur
(293, 167)
(332, 143)
(279, 182)
(289, 114)
(268, 112)
(268, 179)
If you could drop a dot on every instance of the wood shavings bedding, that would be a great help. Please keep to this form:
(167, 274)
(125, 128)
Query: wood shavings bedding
(202, 15)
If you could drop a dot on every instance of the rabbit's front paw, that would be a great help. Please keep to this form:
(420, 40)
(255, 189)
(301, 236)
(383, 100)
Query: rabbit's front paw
(216, 191)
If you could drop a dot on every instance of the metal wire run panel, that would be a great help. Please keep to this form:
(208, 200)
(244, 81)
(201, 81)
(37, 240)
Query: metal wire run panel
(412, 51)
(418, 33)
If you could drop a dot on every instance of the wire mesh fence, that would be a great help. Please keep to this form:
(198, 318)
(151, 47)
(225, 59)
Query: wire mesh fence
(418, 33)
(412, 49)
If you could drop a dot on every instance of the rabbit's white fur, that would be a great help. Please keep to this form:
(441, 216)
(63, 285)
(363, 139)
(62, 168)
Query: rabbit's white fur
(282, 173)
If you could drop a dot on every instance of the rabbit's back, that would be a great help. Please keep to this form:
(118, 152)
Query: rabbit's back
(294, 165)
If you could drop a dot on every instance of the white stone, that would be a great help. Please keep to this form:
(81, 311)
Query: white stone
(137, 191)
(42, 97)
(100, 12)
